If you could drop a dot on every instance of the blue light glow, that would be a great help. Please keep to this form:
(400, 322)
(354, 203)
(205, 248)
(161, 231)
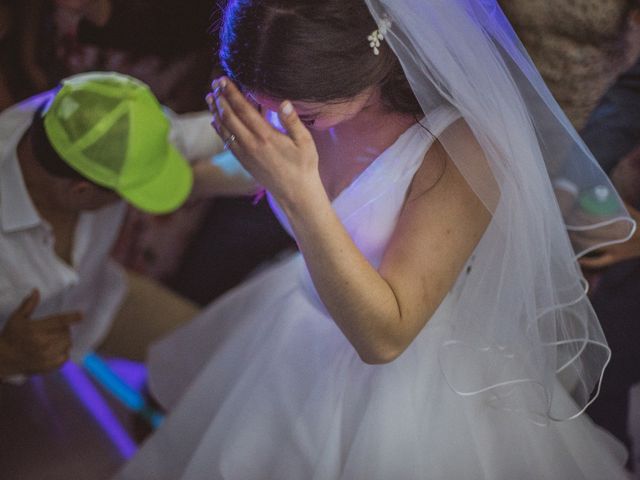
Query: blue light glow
(131, 398)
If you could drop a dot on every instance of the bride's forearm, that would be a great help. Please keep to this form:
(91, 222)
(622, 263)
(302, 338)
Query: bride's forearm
(360, 301)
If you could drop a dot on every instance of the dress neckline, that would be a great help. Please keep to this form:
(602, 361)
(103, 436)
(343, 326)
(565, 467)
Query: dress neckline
(377, 160)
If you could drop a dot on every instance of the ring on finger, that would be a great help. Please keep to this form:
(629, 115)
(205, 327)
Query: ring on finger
(229, 141)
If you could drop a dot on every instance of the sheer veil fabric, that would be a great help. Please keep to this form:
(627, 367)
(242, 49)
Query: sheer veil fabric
(523, 325)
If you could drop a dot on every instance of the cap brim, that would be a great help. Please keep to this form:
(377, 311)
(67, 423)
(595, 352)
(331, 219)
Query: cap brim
(166, 191)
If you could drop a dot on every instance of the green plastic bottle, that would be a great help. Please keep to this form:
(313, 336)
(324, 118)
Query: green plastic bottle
(599, 201)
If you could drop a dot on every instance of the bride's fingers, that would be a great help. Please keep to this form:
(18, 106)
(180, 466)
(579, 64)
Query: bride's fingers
(292, 124)
(209, 99)
(215, 117)
(227, 137)
(216, 123)
(230, 123)
(243, 110)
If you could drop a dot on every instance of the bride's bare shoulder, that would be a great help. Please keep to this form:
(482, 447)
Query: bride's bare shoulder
(455, 162)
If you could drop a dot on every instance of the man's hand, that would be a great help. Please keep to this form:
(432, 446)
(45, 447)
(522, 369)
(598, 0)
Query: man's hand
(618, 252)
(29, 346)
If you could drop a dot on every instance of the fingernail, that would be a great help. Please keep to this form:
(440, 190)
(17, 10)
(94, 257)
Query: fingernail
(287, 108)
(209, 99)
(223, 83)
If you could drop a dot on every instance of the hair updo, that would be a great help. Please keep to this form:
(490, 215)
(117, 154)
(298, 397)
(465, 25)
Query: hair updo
(310, 50)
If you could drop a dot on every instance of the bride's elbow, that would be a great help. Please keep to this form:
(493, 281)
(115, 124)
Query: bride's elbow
(380, 354)
(384, 345)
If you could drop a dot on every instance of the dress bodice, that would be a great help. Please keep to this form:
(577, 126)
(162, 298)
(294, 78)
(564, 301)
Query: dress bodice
(370, 205)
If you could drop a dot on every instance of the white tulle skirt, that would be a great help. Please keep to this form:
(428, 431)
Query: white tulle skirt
(263, 385)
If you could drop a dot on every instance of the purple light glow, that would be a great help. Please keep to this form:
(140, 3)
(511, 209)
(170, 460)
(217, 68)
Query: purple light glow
(133, 373)
(98, 407)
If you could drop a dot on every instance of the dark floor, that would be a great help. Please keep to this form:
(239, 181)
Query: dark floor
(62, 426)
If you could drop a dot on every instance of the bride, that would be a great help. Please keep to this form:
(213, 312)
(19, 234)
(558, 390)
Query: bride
(434, 324)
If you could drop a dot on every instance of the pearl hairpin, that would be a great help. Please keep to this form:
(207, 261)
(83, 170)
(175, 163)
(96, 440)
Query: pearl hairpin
(379, 34)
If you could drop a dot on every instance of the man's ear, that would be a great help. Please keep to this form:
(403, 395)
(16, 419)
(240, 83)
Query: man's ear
(80, 187)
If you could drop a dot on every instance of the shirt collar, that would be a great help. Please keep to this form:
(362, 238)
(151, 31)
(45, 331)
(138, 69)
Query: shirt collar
(17, 211)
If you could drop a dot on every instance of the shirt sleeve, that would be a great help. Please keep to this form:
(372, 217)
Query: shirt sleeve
(193, 135)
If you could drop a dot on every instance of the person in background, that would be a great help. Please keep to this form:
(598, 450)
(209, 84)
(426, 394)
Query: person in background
(71, 158)
(613, 135)
(168, 28)
(166, 43)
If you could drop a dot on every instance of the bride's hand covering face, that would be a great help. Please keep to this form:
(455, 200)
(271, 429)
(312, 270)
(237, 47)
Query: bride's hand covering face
(285, 163)
(322, 116)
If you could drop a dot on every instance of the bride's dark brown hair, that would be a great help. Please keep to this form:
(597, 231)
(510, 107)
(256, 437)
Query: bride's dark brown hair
(309, 50)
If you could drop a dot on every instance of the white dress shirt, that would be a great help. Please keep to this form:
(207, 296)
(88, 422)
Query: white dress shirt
(93, 283)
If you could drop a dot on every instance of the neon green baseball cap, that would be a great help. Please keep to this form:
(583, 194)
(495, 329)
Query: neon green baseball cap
(112, 130)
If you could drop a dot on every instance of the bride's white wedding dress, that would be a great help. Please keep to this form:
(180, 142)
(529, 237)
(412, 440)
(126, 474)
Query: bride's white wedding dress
(263, 385)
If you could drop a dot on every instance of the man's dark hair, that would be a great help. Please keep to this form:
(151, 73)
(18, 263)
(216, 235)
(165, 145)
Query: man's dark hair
(44, 152)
